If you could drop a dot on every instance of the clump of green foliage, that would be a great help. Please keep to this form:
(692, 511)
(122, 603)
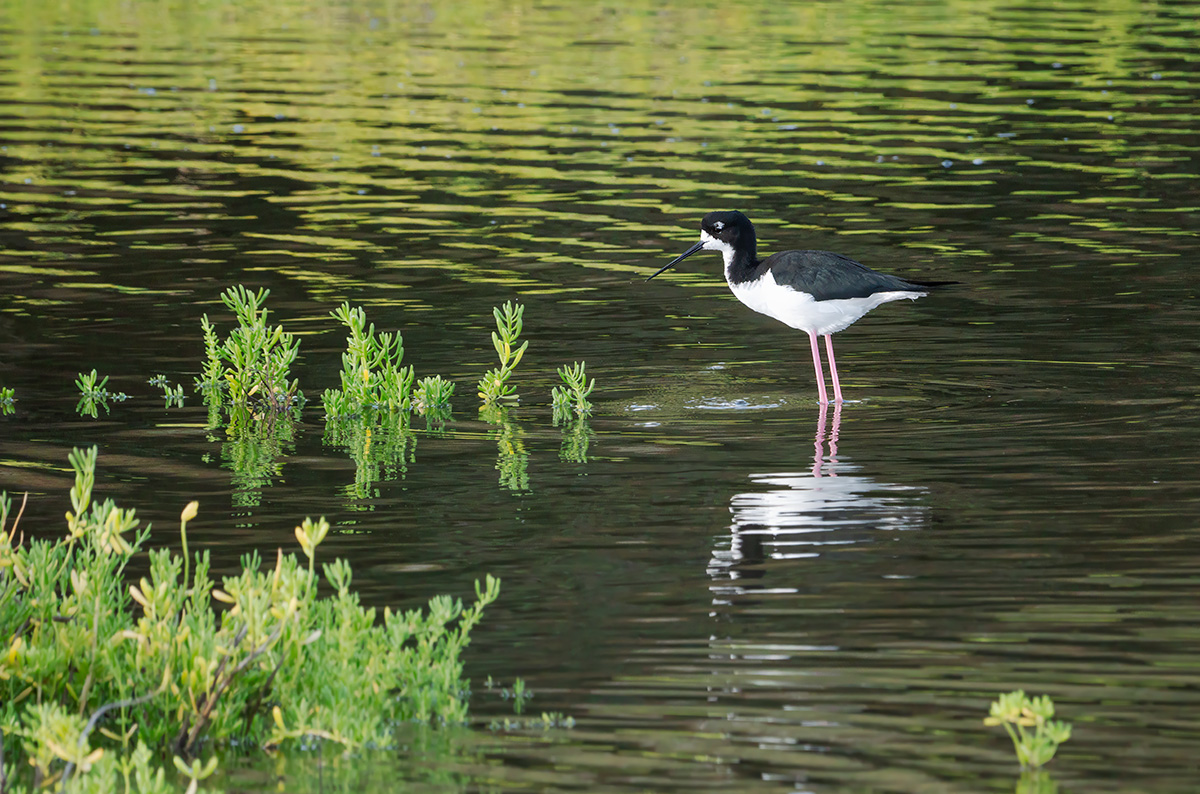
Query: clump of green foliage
(571, 409)
(372, 376)
(432, 397)
(7, 398)
(93, 394)
(369, 414)
(253, 364)
(519, 694)
(172, 395)
(1030, 723)
(494, 386)
(572, 396)
(89, 662)
(89, 389)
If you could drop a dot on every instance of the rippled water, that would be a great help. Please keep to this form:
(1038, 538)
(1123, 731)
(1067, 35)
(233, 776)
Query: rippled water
(725, 588)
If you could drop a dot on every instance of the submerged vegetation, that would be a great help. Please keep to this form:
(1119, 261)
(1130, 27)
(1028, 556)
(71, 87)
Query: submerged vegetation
(97, 676)
(572, 396)
(494, 386)
(249, 371)
(1030, 724)
(370, 414)
(571, 409)
(432, 398)
(94, 394)
(247, 383)
(372, 376)
(173, 396)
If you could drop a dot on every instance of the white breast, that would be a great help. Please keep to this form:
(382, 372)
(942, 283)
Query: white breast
(798, 309)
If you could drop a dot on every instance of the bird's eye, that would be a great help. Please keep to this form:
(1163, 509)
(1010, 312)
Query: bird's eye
(719, 225)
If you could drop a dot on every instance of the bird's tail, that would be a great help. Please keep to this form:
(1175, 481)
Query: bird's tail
(932, 284)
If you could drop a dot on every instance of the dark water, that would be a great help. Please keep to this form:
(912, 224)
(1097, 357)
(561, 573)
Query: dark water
(721, 599)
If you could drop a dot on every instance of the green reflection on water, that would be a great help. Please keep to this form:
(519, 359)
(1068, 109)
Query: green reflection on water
(437, 159)
(371, 123)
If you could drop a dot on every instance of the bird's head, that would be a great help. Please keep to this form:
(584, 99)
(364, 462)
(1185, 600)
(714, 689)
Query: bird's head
(725, 231)
(729, 230)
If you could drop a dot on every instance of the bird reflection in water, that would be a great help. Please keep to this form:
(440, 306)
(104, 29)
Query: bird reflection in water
(819, 442)
(790, 516)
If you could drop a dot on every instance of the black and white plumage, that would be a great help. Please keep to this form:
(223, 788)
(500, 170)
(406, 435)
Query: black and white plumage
(818, 292)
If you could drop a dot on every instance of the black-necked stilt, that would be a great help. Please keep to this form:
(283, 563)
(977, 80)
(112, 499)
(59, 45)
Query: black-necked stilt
(818, 292)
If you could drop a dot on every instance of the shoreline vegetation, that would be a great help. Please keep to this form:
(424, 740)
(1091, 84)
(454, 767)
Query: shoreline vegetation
(100, 677)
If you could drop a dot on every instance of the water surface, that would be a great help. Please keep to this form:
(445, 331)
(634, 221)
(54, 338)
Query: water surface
(728, 589)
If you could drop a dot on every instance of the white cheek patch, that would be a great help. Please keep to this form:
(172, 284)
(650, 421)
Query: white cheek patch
(713, 243)
(716, 244)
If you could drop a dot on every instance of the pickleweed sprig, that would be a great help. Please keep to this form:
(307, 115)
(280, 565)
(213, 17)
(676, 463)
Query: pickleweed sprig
(212, 376)
(172, 395)
(94, 394)
(494, 386)
(254, 362)
(372, 378)
(572, 396)
(432, 398)
(1029, 722)
(88, 386)
(195, 771)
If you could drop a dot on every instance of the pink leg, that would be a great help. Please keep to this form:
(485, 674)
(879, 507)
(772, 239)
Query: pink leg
(837, 387)
(816, 351)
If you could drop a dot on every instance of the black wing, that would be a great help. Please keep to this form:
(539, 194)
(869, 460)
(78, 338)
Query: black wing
(829, 276)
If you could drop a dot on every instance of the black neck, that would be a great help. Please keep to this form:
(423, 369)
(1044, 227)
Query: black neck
(743, 264)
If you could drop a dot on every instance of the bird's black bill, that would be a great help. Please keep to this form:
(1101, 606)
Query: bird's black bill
(679, 258)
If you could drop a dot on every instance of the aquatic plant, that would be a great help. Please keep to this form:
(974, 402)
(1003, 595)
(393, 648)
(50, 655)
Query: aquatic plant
(494, 387)
(372, 376)
(212, 376)
(572, 396)
(172, 395)
(7, 398)
(519, 694)
(432, 398)
(90, 661)
(94, 395)
(89, 388)
(253, 364)
(369, 414)
(571, 408)
(1036, 782)
(548, 720)
(1018, 714)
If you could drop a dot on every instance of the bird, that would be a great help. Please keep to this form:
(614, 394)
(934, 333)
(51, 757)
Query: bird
(818, 292)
